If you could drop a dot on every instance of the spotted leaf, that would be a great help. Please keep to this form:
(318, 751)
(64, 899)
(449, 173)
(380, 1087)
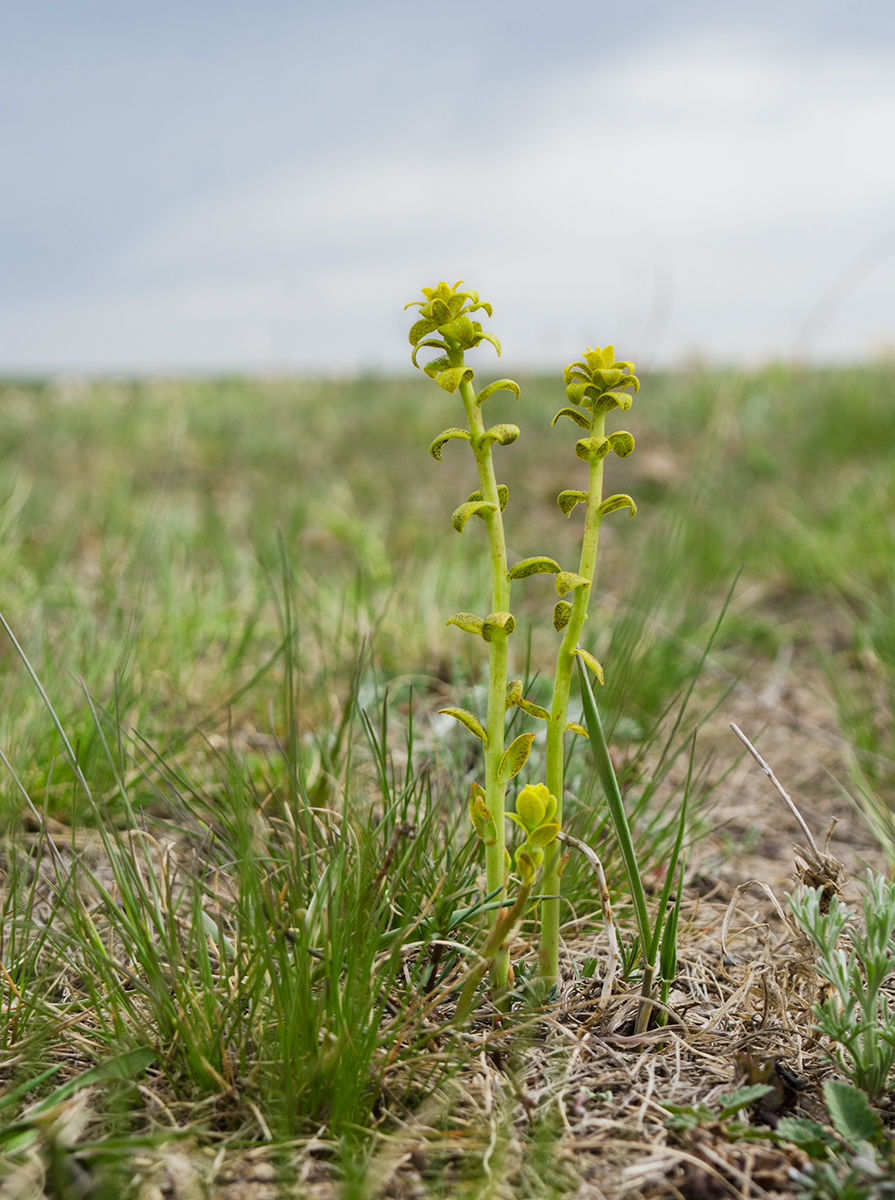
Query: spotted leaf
(461, 515)
(613, 503)
(567, 501)
(472, 723)
(448, 435)
(533, 566)
(514, 757)
(466, 621)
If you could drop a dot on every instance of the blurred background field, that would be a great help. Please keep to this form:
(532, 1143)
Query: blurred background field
(146, 525)
(233, 592)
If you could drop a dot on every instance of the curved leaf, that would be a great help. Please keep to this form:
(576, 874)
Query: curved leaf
(481, 818)
(451, 379)
(533, 710)
(514, 692)
(533, 566)
(434, 343)
(568, 499)
(567, 581)
(504, 434)
(544, 834)
(420, 328)
(501, 385)
(561, 613)
(588, 658)
(488, 337)
(576, 728)
(610, 400)
(503, 621)
(503, 495)
(461, 330)
(592, 448)
(622, 443)
(616, 502)
(461, 515)
(466, 621)
(445, 436)
(527, 862)
(472, 723)
(442, 363)
(514, 757)
(578, 417)
(579, 389)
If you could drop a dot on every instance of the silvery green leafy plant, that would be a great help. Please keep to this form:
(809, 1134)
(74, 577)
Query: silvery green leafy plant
(856, 1016)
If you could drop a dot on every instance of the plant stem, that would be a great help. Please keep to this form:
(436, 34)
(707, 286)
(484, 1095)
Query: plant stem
(498, 662)
(559, 709)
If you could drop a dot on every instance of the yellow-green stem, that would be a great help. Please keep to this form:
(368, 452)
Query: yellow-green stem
(559, 711)
(498, 662)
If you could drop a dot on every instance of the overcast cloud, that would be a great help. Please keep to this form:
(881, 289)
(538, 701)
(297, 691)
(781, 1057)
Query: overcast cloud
(219, 186)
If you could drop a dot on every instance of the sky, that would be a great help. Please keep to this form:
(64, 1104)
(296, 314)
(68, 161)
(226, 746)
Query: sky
(217, 185)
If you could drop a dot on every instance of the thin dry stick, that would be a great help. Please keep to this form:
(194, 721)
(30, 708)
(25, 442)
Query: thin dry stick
(606, 906)
(777, 784)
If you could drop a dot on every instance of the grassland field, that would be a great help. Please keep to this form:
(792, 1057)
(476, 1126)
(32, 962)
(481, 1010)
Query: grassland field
(236, 871)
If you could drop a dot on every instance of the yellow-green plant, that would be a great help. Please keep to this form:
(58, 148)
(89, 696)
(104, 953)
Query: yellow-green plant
(445, 323)
(595, 386)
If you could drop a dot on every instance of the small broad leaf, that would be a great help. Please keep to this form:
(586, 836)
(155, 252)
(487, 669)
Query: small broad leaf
(851, 1113)
(503, 434)
(468, 622)
(535, 805)
(461, 330)
(448, 435)
(616, 502)
(567, 581)
(592, 448)
(433, 343)
(502, 622)
(533, 566)
(588, 658)
(814, 1139)
(419, 329)
(451, 379)
(501, 385)
(568, 500)
(622, 443)
(514, 692)
(481, 818)
(432, 368)
(578, 417)
(579, 389)
(527, 863)
(742, 1098)
(576, 728)
(610, 400)
(544, 834)
(461, 515)
(533, 710)
(561, 613)
(514, 757)
(472, 723)
(503, 495)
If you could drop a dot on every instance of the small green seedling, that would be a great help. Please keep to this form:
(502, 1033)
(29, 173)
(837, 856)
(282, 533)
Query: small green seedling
(856, 1017)
(853, 1160)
